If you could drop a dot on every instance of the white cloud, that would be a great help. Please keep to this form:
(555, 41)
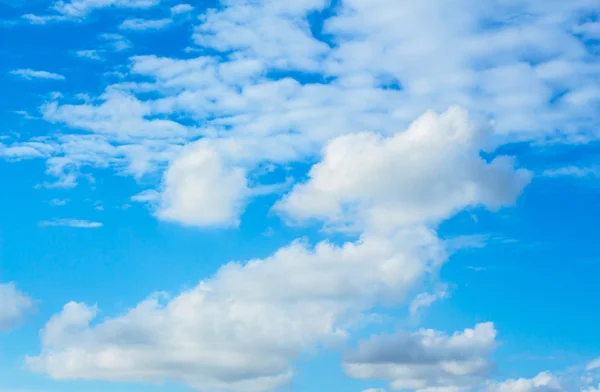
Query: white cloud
(14, 306)
(424, 300)
(240, 329)
(424, 174)
(81, 8)
(147, 196)
(595, 364)
(75, 223)
(58, 202)
(543, 382)
(573, 171)
(90, 54)
(145, 24)
(31, 74)
(200, 189)
(116, 41)
(591, 389)
(181, 9)
(426, 360)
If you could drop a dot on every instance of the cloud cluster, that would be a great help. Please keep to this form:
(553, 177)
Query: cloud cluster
(14, 306)
(241, 329)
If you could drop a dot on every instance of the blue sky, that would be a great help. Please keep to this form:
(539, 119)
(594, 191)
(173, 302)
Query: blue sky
(352, 195)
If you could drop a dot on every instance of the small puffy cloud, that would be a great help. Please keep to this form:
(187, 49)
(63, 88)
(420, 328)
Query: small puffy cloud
(14, 306)
(241, 329)
(90, 54)
(31, 74)
(591, 389)
(181, 9)
(543, 382)
(424, 174)
(116, 41)
(200, 188)
(75, 223)
(426, 360)
(145, 24)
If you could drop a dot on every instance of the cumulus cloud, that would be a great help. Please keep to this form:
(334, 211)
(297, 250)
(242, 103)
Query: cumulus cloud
(543, 382)
(14, 306)
(31, 74)
(426, 360)
(200, 189)
(426, 173)
(240, 329)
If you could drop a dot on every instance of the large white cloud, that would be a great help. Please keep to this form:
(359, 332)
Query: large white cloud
(427, 360)
(424, 174)
(240, 329)
(14, 306)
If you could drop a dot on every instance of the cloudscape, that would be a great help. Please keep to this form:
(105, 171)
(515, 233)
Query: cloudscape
(299, 196)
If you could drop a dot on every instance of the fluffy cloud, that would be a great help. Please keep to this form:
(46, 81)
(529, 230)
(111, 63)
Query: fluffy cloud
(543, 382)
(427, 360)
(200, 189)
(14, 306)
(424, 174)
(240, 329)
(31, 74)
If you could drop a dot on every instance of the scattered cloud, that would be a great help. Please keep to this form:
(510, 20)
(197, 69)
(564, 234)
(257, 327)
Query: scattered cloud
(573, 171)
(595, 364)
(425, 300)
(91, 54)
(31, 74)
(145, 24)
(58, 202)
(14, 306)
(543, 382)
(426, 360)
(75, 223)
(181, 9)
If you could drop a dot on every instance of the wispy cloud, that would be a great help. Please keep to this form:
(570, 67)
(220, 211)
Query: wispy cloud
(145, 24)
(31, 74)
(573, 171)
(89, 54)
(75, 223)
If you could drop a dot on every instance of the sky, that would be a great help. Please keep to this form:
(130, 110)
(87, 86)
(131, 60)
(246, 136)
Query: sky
(299, 196)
